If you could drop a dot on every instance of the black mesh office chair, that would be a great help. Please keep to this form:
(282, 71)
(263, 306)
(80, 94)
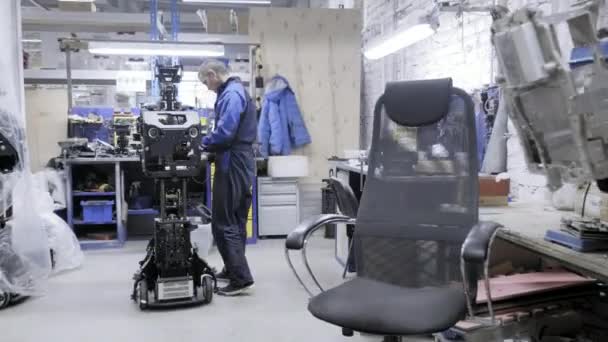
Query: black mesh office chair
(419, 204)
(347, 202)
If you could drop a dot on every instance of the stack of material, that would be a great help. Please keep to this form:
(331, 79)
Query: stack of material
(581, 234)
(526, 301)
(518, 290)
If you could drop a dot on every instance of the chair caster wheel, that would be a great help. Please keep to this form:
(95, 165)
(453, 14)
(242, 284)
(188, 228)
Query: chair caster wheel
(348, 332)
(5, 299)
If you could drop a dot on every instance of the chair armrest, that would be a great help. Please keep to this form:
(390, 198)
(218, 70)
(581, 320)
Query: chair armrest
(475, 256)
(297, 238)
(476, 245)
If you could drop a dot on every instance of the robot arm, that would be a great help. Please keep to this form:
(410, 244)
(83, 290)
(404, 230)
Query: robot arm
(559, 106)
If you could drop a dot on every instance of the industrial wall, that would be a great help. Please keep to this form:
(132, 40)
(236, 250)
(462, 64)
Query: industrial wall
(318, 51)
(461, 49)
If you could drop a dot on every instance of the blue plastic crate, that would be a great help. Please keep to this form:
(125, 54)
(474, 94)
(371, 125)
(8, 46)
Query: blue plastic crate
(96, 211)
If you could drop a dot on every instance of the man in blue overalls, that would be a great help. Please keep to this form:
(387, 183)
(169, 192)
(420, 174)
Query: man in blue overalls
(232, 138)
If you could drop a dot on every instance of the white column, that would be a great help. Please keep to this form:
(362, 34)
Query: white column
(11, 64)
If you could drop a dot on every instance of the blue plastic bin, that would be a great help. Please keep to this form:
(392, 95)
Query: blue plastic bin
(97, 211)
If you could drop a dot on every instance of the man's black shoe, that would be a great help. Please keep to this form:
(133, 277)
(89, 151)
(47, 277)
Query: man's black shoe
(234, 290)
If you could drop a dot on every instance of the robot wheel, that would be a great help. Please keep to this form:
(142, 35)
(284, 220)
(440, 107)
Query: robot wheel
(207, 287)
(142, 294)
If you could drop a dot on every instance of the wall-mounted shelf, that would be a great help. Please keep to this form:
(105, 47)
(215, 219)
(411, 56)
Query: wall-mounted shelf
(79, 222)
(93, 194)
(101, 77)
(79, 76)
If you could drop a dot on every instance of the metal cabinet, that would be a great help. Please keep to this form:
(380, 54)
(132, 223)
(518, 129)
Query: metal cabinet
(278, 206)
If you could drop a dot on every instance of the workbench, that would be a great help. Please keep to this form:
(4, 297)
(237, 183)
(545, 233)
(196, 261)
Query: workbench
(119, 195)
(525, 225)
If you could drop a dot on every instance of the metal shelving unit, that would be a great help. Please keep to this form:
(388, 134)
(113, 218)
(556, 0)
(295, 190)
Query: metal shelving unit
(92, 194)
(118, 222)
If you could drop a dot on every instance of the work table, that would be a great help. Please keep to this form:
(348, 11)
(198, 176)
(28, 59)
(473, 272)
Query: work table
(525, 225)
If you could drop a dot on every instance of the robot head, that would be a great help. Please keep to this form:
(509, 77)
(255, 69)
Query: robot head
(170, 142)
(170, 136)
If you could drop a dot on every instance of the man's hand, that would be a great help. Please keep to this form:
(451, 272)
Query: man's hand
(208, 156)
(205, 143)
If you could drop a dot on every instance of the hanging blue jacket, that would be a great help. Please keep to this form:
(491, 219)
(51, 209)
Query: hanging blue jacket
(281, 127)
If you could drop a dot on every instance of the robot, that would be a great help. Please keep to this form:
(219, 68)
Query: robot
(554, 76)
(9, 261)
(555, 79)
(171, 274)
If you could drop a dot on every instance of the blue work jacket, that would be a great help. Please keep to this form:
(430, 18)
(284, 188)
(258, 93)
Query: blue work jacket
(235, 119)
(281, 127)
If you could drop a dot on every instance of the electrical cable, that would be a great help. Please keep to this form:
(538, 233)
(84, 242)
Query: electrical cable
(197, 182)
(585, 200)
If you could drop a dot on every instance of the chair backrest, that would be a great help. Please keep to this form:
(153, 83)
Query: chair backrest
(347, 201)
(421, 195)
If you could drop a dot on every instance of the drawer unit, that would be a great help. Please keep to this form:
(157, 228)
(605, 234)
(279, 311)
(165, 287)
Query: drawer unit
(268, 187)
(277, 220)
(280, 199)
(278, 206)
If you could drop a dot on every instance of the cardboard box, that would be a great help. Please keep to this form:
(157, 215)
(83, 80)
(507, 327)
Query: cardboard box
(493, 193)
(493, 201)
(488, 186)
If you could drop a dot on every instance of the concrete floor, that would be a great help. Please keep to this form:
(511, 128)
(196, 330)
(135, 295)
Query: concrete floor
(92, 304)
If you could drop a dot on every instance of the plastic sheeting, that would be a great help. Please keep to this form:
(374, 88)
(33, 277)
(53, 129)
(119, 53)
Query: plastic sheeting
(52, 181)
(25, 262)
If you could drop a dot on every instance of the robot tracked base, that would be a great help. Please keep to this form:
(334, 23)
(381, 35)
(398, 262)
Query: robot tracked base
(171, 276)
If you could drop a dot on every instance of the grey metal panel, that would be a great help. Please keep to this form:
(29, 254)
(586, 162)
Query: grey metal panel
(277, 220)
(278, 206)
(309, 199)
(280, 199)
(278, 188)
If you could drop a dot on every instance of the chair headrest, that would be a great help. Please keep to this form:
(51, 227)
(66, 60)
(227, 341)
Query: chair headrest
(417, 103)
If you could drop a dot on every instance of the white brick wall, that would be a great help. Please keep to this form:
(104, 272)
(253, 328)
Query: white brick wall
(461, 49)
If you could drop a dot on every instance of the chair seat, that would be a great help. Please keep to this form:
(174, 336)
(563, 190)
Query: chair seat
(374, 307)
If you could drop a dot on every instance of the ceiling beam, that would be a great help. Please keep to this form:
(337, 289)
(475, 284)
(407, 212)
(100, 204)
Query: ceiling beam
(34, 19)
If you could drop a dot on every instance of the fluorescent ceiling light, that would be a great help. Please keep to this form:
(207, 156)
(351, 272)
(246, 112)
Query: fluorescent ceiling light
(233, 2)
(31, 40)
(398, 40)
(127, 48)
